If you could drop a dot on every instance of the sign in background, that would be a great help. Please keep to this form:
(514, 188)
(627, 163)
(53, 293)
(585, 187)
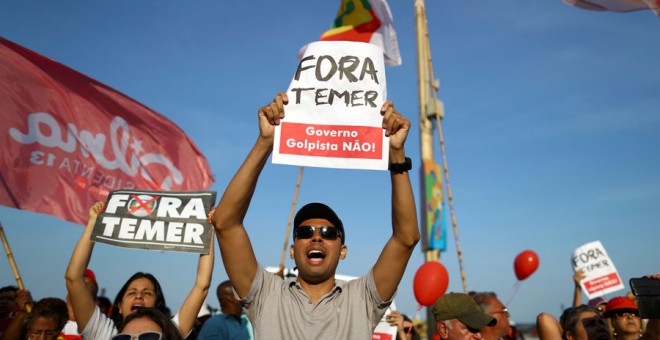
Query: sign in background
(170, 221)
(600, 275)
(333, 117)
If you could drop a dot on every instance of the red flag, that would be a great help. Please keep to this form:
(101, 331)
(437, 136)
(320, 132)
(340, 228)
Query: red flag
(617, 5)
(67, 140)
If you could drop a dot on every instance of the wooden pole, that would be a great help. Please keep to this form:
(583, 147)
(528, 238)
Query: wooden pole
(425, 134)
(445, 167)
(425, 124)
(12, 263)
(288, 225)
(10, 257)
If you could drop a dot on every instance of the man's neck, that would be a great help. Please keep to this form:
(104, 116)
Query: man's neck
(315, 291)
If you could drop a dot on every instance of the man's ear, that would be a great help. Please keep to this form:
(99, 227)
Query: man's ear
(291, 252)
(443, 331)
(342, 252)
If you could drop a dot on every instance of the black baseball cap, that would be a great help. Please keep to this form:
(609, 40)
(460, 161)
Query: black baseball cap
(319, 210)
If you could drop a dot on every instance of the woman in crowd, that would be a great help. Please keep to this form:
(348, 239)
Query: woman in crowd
(148, 324)
(140, 291)
(575, 323)
(624, 318)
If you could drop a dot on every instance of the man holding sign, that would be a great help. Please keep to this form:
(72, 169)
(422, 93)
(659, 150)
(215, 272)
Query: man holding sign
(315, 305)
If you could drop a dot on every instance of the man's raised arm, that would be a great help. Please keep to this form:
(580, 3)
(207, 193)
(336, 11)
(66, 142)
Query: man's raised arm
(391, 264)
(237, 253)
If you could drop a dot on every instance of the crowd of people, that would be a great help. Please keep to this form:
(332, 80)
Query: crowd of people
(256, 304)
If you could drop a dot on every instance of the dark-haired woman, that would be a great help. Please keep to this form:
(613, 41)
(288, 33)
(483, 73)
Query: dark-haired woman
(148, 323)
(141, 290)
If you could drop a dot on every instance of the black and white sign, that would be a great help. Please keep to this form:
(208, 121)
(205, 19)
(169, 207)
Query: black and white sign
(157, 220)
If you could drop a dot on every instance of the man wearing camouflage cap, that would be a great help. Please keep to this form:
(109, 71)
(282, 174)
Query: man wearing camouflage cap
(459, 317)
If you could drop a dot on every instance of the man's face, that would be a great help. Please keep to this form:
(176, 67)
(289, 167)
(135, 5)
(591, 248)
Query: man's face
(497, 310)
(316, 257)
(590, 326)
(43, 328)
(7, 301)
(456, 330)
(230, 305)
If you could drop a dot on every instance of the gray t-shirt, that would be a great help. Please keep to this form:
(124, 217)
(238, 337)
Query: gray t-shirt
(280, 309)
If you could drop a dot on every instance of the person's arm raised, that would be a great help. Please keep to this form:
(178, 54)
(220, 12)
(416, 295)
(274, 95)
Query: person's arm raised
(235, 247)
(578, 276)
(15, 329)
(548, 327)
(391, 264)
(197, 296)
(81, 298)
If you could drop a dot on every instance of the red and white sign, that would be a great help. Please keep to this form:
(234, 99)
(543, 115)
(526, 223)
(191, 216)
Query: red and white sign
(600, 275)
(68, 140)
(333, 117)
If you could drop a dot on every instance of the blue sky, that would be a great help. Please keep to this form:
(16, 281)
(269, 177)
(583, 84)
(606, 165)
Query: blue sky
(552, 132)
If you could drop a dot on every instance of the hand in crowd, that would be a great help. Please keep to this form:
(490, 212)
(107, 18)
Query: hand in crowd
(396, 126)
(578, 276)
(395, 319)
(24, 300)
(271, 114)
(97, 209)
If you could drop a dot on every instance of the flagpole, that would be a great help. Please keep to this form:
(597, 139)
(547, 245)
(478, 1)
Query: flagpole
(425, 135)
(10, 257)
(12, 263)
(425, 125)
(450, 196)
(288, 225)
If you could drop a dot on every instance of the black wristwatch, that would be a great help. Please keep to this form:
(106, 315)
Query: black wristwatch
(399, 168)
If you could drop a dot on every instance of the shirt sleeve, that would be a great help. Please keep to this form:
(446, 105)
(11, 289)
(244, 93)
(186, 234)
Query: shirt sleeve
(99, 326)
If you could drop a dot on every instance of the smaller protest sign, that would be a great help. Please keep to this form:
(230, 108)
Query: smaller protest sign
(157, 220)
(600, 275)
(383, 330)
(333, 116)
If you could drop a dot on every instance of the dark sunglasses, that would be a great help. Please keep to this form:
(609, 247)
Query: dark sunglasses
(307, 231)
(626, 314)
(139, 336)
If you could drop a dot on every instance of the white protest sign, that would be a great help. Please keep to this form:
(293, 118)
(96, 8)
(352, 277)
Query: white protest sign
(383, 330)
(600, 275)
(156, 220)
(333, 116)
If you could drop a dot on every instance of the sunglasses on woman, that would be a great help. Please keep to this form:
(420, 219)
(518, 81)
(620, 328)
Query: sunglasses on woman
(307, 231)
(139, 336)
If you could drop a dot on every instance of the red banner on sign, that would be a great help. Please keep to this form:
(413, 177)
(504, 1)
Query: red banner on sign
(602, 283)
(67, 140)
(342, 141)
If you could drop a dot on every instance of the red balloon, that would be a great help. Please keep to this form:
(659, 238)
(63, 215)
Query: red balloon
(430, 282)
(525, 264)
